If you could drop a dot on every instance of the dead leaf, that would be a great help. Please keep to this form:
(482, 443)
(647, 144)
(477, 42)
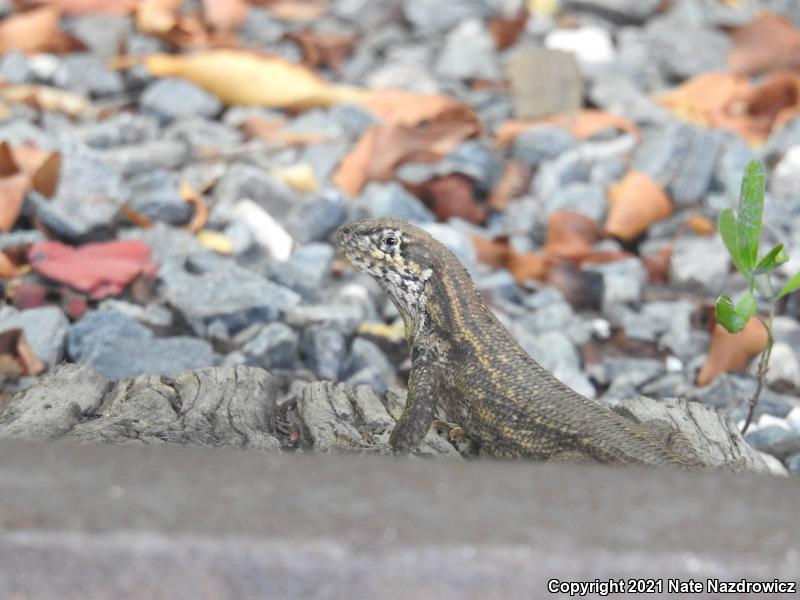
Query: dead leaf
(12, 195)
(225, 15)
(73, 8)
(246, 78)
(17, 359)
(582, 124)
(44, 98)
(135, 217)
(413, 128)
(295, 10)
(528, 265)
(514, 182)
(45, 178)
(570, 235)
(102, 269)
(732, 351)
(36, 31)
(323, 49)
(299, 177)
(270, 130)
(700, 224)
(635, 202)
(505, 32)
(216, 241)
(199, 205)
(766, 43)
(7, 267)
(494, 253)
(657, 265)
(452, 196)
(157, 17)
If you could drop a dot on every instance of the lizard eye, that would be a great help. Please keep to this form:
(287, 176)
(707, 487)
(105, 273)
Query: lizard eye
(390, 240)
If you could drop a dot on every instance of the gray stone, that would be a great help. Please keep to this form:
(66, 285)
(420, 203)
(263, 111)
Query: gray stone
(630, 373)
(622, 282)
(21, 237)
(354, 119)
(782, 138)
(325, 156)
(620, 10)
(87, 73)
(171, 98)
(204, 135)
(366, 355)
(731, 166)
(775, 440)
(793, 463)
(156, 195)
(118, 347)
(457, 241)
(469, 53)
(317, 219)
(167, 244)
(372, 377)
(154, 316)
(682, 158)
(89, 194)
(785, 182)
(228, 294)
(557, 315)
(732, 393)
(619, 95)
(119, 129)
(686, 49)
(784, 368)
(261, 28)
(699, 262)
(544, 82)
(324, 350)
(307, 270)
(103, 34)
(477, 160)
(380, 200)
(18, 132)
(274, 347)
(553, 175)
(585, 198)
(244, 181)
(540, 143)
(556, 353)
(152, 154)
(45, 329)
(14, 67)
(345, 317)
(427, 17)
(655, 318)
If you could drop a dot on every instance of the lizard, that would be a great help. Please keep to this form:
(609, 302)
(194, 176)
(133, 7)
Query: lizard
(465, 361)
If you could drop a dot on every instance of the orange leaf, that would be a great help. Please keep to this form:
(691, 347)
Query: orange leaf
(270, 130)
(767, 42)
(528, 265)
(157, 17)
(635, 203)
(700, 225)
(414, 127)
(506, 31)
(453, 196)
(12, 194)
(73, 8)
(200, 208)
(225, 15)
(295, 10)
(494, 253)
(570, 235)
(33, 31)
(582, 124)
(732, 351)
(45, 179)
(7, 267)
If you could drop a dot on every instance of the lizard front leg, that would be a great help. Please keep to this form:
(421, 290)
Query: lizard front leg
(421, 399)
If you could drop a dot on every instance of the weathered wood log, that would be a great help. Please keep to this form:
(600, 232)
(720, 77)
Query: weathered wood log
(238, 407)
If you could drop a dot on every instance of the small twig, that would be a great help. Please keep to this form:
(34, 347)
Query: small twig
(763, 365)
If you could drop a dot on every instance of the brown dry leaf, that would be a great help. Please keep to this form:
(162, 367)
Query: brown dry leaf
(767, 42)
(452, 196)
(12, 194)
(225, 15)
(323, 49)
(732, 351)
(295, 10)
(514, 182)
(505, 32)
(72, 8)
(583, 124)
(7, 267)
(246, 78)
(269, 130)
(414, 127)
(528, 265)
(44, 98)
(657, 265)
(36, 31)
(700, 224)
(45, 178)
(494, 253)
(635, 202)
(135, 217)
(157, 17)
(571, 235)
(16, 356)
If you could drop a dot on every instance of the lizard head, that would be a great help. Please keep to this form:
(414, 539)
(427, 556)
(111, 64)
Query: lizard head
(400, 256)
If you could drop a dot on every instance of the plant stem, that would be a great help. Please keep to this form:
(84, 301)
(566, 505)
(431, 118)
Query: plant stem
(763, 365)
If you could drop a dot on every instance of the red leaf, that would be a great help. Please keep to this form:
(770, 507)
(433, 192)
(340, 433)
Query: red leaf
(101, 269)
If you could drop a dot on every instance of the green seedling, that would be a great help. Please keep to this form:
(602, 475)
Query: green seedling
(740, 232)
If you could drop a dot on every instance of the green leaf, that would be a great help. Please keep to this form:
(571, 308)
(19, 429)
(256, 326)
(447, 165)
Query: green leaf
(792, 285)
(727, 229)
(751, 208)
(774, 258)
(727, 315)
(746, 307)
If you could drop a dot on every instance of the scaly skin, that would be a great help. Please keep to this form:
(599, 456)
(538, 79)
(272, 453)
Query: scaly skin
(466, 361)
